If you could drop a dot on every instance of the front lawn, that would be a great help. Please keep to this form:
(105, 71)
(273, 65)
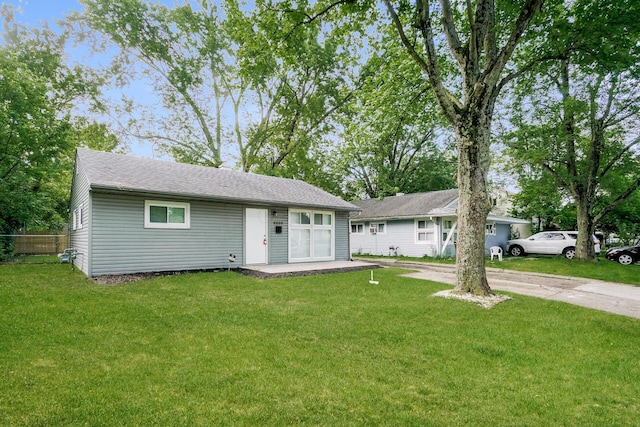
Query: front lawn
(225, 349)
(608, 271)
(602, 270)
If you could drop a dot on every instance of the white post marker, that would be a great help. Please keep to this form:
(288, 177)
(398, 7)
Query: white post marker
(373, 282)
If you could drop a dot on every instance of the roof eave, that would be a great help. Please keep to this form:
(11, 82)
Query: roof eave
(192, 196)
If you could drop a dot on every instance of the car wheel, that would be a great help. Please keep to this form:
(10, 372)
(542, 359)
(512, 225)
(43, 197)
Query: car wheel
(569, 253)
(516, 251)
(625, 259)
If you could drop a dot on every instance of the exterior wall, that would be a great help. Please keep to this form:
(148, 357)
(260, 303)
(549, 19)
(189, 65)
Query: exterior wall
(278, 242)
(503, 233)
(400, 233)
(79, 239)
(341, 238)
(121, 244)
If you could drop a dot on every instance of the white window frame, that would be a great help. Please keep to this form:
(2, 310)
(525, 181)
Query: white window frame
(359, 228)
(490, 229)
(80, 216)
(431, 230)
(376, 226)
(78, 213)
(167, 225)
(312, 227)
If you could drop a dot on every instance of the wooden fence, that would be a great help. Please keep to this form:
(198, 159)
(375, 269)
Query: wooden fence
(40, 242)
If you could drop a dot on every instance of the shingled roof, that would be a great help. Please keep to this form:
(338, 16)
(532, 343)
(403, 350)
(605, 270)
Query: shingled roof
(408, 205)
(115, 172)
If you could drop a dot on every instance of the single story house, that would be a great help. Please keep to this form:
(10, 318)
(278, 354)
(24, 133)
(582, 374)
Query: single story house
(134, 215)
(416, 225)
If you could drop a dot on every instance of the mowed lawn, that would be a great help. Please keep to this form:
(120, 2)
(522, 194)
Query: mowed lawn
(225, 349)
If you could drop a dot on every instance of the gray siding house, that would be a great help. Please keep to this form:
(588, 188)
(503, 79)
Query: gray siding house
(134, 215)
(416, 225)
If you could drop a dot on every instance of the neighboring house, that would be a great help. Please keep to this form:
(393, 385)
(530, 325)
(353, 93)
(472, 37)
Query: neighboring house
(416, 225)
(133, 215)
(502, 204)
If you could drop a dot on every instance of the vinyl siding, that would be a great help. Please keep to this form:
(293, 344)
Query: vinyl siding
(400, 233)
(278, 243)
(341, 240)
(79, 239)
(503, 233)
(121, 244)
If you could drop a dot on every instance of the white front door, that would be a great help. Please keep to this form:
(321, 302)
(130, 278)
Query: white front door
(255, 236)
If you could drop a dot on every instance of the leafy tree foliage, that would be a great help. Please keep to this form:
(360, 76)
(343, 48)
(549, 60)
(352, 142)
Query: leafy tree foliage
(465, 50)
(37, 137)
(33, 142)
(577, 115)
(393, 130)
(210, 63)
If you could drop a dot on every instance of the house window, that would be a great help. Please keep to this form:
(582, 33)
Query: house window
(357, 228)
(378, 228)
(490, 229)
(424, 231)
(78, 214)
(310, 239)
(159, 214)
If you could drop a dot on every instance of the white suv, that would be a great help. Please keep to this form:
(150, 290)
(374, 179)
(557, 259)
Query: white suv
(548, 242)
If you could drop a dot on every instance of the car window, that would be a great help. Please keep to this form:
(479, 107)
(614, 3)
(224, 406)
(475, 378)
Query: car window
(573, 236)
(556, 236)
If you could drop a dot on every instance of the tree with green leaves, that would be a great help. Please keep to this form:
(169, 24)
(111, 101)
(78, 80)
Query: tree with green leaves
(33, 143)
(235, 84)
(464, 50)
(393, 130)
(578, 111)
(37, 136)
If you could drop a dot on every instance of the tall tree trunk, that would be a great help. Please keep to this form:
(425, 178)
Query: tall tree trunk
(585, 250)
(472, 134)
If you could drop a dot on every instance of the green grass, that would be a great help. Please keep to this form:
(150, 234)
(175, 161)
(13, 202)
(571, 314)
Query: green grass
(35, 259)
(602, 270)
(224, 349)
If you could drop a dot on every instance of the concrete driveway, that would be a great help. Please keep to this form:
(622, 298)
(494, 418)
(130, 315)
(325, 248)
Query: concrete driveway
(606, 296)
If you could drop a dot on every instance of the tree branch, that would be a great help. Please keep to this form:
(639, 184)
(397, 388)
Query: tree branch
(617, 157)
(621, 198)
(449, 104)
(495, 66)
(450, 31)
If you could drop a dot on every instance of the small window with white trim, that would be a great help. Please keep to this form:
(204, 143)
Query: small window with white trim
(377, 228)
(424, 231)
(161, 214)
(490, 229)
(78, 213)
(357, 228)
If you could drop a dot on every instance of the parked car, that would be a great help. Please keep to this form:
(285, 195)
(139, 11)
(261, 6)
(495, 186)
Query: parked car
(549, 243)
(624, 255)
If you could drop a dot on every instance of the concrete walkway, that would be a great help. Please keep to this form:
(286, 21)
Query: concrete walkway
(606, 296)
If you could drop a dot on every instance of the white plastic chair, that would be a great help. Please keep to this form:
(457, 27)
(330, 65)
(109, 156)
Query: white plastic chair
(496, 251)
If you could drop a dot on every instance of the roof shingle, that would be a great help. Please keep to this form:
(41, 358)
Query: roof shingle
(407, 205)
(108, 171)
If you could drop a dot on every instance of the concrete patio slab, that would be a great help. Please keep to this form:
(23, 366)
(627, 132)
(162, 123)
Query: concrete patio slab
(305, 268)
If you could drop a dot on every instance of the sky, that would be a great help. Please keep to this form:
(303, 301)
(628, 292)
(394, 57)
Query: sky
(37, 12)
